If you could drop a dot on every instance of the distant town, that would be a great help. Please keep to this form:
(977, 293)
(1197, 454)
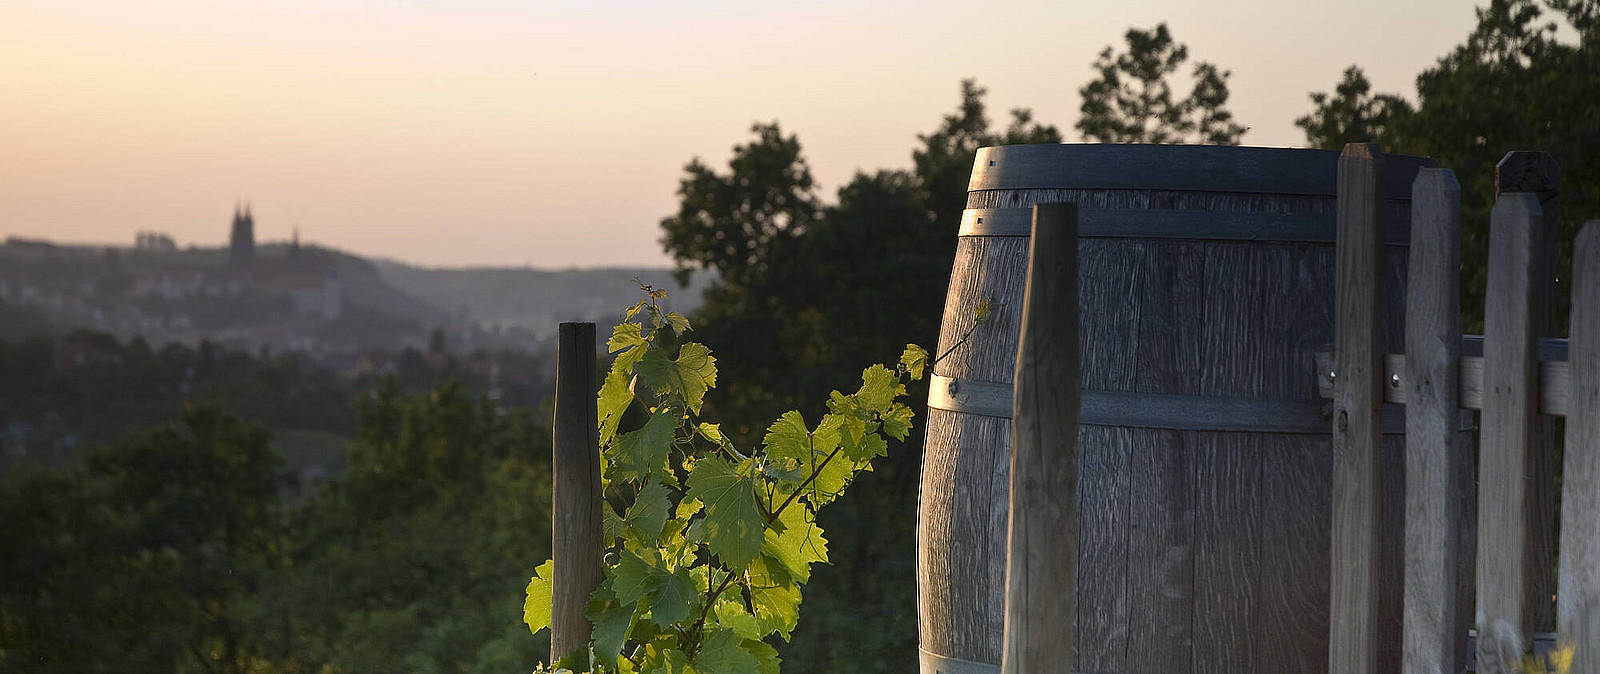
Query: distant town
(346, 313)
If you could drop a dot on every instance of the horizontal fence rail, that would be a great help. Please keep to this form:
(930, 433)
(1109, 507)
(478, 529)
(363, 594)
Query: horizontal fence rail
(1555, 382)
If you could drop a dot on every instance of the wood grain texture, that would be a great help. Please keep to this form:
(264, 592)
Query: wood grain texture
(1042, 542)
(576, 545)
(986, 268)
(1578, 601)
(1227, 565)
(1104, 594)
(961, 535)
(1539, 174)
(1358, 396)
(1435, 622)
(1161, 513)
(1506, 501)
(1296, 520)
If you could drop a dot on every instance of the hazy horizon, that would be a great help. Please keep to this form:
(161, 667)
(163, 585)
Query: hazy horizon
(553, 134)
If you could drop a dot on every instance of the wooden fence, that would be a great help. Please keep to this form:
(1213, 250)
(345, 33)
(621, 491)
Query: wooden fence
(1517, 392)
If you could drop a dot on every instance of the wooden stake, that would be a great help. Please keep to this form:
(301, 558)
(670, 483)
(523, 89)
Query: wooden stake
(1042, 547)
(1507, 467)
(1438, 477)
(1578, 610)
(1357, 424)
(576, 545)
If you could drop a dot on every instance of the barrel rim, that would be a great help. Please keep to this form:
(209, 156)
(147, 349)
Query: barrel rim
(1189, 168)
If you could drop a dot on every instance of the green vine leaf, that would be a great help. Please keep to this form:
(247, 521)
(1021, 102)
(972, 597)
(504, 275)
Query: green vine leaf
(678, 323)
(611, 525)
(692, 374)
(798, 546)
(879, 388)
(634, 577)
(638, 454)
(648, 514)
(613, 400)
(629, 339)
(723, 652)
(733, 616)
(897, 421)
(664, 658)
(613, 620)
(675, 598)
(914, 359)
(733, 524)
(775, 598)
(536, 608)
(766, 656)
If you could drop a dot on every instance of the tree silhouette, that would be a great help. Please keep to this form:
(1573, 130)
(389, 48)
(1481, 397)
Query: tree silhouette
(1131, 101)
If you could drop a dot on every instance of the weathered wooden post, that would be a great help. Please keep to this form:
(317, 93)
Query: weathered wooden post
(1507, 463)
(1357, 410)
(576, 546)
(1042, 545)
(1538, 173)
(1578, 609)
(1438, 603)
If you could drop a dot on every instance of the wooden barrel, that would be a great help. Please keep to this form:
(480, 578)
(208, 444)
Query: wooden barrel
(1206, 287)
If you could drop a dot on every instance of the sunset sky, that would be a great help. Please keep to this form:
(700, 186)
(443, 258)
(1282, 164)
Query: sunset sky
(553, 134)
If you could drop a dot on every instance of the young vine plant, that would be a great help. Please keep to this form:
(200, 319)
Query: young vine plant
(709, 544)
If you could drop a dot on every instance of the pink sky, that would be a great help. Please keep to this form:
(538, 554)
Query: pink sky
(553, 133)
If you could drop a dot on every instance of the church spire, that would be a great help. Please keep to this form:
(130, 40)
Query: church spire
(242, 238)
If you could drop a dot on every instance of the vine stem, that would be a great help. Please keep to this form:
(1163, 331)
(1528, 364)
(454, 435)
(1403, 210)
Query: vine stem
(975, 323)
(809, 479)
(700, 624)
(712, 598)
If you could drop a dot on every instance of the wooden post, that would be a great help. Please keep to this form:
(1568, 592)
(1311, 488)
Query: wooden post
(1506, 466)
(1358, 400)
(1579, 597)
(576, 545)
(1538, 173)
(1438, 478)
(1042, 545)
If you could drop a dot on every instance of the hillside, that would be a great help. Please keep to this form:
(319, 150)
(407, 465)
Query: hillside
(302, 297)
(537, 300)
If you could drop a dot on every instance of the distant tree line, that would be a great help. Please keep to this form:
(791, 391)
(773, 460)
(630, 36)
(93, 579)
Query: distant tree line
(1526, 78)
(179, 549)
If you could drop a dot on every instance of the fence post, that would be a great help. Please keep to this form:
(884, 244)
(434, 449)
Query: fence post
(576, 545)
(1538, 173)
(1438, 477)
(1358, 400)
(1579, 598)
(1506, 466)
(1042, 542)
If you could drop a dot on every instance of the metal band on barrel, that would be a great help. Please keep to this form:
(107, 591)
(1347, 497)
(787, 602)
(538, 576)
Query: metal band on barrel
(939, 664)
(1158, 410)
(1147, 223)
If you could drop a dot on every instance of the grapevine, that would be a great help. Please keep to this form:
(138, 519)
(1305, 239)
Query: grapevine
(708, 545)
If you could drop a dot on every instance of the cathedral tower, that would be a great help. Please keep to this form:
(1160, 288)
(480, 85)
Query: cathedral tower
(242, 244)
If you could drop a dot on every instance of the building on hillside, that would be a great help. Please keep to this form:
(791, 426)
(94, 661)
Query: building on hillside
(157, 242)
(242, 241)
(313, 290)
